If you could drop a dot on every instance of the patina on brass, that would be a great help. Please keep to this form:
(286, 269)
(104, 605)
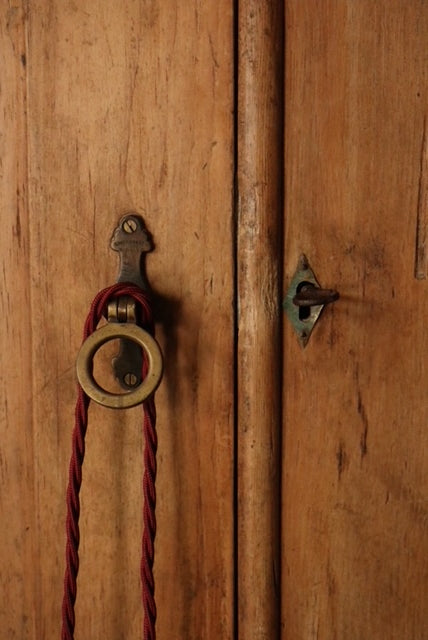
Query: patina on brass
(305, 300)
(132, 241)
(138, 336)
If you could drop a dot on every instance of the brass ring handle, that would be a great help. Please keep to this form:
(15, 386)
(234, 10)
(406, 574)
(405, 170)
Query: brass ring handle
(91, 345)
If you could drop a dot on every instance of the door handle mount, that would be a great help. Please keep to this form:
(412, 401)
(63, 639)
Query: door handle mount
(132, 241)
(129, 322)
(305, 300)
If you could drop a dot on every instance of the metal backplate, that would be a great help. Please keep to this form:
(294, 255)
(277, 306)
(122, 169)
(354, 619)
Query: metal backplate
(132, 240)
(303, 319)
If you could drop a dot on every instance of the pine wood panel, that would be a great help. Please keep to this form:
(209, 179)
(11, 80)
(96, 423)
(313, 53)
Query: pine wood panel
(129, 108)
(259, 214)
(18, 534)
(355, 479)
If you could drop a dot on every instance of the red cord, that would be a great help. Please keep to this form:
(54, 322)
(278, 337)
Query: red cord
(97, 310)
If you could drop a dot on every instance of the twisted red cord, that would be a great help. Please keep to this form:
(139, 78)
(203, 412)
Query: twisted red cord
(97, 310)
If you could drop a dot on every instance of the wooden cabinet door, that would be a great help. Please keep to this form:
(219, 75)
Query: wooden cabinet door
(355, 439)
(109, 107)
(296, 520)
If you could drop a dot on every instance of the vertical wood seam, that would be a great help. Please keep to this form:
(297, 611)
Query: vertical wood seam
(422, 210)
(259, 183)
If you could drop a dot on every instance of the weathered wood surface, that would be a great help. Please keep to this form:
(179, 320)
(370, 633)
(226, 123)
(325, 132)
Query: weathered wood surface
(109, 107)
(19, 539)
(355, 481)
(259, 182)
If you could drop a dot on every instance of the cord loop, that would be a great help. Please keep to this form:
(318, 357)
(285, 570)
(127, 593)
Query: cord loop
(97, 310)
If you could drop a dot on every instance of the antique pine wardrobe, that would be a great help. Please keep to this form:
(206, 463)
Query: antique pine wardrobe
(292, 482)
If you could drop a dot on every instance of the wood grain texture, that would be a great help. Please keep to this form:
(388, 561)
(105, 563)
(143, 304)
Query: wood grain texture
(129, 108)
(259, 182)
(18, 585)
(355, 481)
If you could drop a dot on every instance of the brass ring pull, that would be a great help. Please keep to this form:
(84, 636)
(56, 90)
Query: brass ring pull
(91, 345)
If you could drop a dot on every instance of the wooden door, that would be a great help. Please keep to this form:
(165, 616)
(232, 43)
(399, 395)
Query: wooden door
(110, 107)
(179, 111)
(355, 462)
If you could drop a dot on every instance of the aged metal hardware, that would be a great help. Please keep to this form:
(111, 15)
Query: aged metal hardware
(128, 332)
(132, 240)
(310, 296)
(305, 300)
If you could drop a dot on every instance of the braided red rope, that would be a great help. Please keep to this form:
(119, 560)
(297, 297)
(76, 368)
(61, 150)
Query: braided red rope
(97, 310)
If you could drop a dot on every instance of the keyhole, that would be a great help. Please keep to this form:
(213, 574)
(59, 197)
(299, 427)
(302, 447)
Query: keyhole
(304, 312)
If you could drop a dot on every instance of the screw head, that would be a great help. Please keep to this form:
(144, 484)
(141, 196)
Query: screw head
(130, 379)
(129, 225)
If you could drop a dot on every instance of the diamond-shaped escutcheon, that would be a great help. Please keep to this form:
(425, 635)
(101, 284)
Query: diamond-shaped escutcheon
(305, 300)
